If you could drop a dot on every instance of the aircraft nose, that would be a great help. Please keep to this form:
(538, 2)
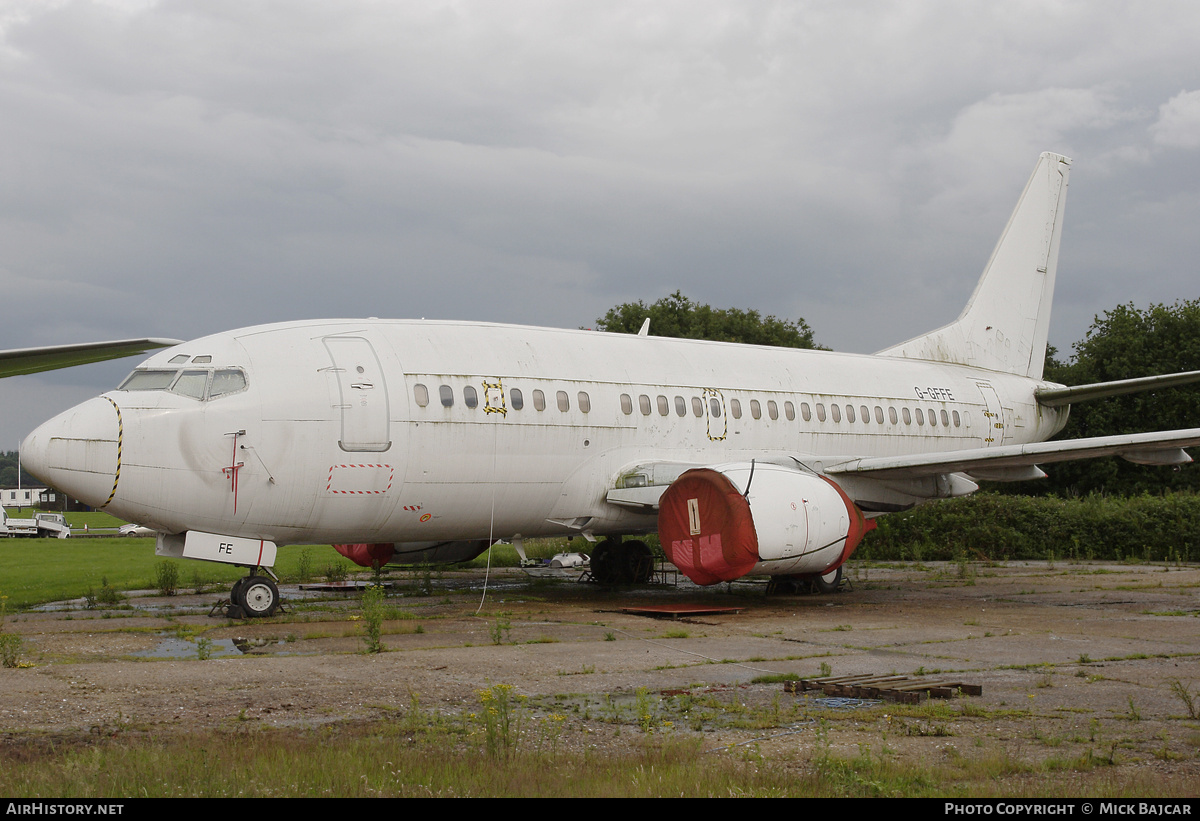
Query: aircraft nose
(79, 451)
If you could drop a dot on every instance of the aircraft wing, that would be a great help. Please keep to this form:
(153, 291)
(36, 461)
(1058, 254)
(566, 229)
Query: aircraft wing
(1157, 448)
(32, 360)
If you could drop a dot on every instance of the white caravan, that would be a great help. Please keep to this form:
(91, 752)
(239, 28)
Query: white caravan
(406, 440)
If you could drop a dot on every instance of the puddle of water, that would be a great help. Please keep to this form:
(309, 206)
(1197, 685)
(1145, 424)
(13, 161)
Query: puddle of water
(173, 647)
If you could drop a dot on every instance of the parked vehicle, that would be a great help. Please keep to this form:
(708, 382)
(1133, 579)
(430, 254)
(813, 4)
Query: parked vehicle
(42, 525)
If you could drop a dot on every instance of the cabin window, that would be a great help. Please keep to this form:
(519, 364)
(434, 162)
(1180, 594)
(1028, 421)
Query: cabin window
(878, 415)
(849, 413)
(516, 398)
(421, 395)
(680, 406)
(892, 415)
(820, 411)
(957, 419)
(446, 394)
(664, 407)
(644, 404)
(945, 419)
(772, 409)
(564, 401)
(735, 408)
(864, 414)
(789, 410)
(805, 412)
(920, 417)
(585, 402)
(626, 404)
(907, 417)
(836, 412)
(966, 419)
(697, 407)
(714, 408)
(932, 418)
(539, 400)
(470, 397)
(755, 409)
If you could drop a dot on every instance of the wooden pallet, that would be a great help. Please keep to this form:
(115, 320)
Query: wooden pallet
(902, 689)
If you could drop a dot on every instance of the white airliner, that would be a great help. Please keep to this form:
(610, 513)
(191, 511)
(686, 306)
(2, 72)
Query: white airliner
(402, 440)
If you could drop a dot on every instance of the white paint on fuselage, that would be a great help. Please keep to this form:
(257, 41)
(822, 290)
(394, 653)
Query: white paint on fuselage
(464, 473)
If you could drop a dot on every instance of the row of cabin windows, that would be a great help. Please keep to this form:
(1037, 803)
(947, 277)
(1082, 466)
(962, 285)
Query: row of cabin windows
(664, 406)
(516, 398)
(789, 411)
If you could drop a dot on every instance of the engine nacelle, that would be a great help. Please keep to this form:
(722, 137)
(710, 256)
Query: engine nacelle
(790, 522)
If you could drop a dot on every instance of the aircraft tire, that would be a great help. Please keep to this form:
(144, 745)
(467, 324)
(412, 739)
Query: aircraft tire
(608, 562)
(639, 561)
(259, 597)
(828, 582)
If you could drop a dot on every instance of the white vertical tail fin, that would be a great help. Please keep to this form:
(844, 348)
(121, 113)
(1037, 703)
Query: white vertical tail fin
(1006, 322)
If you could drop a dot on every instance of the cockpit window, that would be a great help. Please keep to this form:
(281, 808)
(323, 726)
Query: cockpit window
(148, 381)
(198, 383)
(191, 383)
(226, 381)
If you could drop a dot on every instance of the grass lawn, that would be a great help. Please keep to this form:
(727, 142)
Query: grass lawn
(35, 571)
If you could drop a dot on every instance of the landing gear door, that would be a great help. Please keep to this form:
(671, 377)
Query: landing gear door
(363, 394)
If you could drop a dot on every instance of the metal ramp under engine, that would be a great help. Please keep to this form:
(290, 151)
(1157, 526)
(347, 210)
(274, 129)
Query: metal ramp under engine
(902, 689)
(679, 611)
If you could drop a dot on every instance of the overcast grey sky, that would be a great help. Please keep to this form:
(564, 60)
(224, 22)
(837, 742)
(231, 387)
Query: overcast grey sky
(182, 168)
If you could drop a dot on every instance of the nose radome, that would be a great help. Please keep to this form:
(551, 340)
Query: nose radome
(78, 451)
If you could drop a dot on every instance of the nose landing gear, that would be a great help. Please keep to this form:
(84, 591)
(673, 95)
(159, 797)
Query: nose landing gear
(617, 562)
(254, 596)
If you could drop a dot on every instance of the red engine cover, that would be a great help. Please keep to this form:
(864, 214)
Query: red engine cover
(705, 527)
(365, 555)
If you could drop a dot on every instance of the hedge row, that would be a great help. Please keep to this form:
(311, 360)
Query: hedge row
(990, 526)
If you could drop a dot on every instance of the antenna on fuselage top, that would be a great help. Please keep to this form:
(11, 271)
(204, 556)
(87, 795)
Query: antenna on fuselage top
(645, 331)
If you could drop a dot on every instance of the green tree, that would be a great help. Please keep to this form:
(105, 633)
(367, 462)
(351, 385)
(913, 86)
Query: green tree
(678, 316)
(8, 471)
(1126, 343)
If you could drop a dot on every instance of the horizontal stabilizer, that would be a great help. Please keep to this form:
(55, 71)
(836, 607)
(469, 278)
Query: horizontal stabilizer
(1056, 397)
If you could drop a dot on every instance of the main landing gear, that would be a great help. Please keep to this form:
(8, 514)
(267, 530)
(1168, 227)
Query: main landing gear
(254, 596)
(618, 562)
(829, 582)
